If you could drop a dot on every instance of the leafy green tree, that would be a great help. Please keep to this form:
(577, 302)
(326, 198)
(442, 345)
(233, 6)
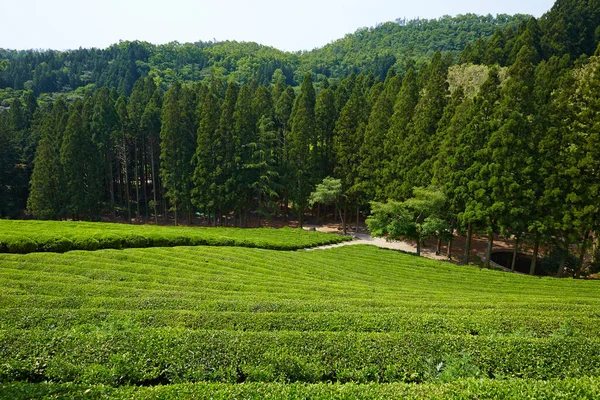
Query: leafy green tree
(328, 192)
(417, 218)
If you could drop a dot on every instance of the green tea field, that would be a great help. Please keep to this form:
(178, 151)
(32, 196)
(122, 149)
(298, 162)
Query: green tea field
(238, 322)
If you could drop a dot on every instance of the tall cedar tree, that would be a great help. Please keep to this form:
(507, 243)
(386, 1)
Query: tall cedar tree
(301, 137)
(325, 115)
(372, 151)
(177, 147)
(348, 139)
(81, 166)
(205, 187)
(400, 128)
(420, 145)
(47, 186)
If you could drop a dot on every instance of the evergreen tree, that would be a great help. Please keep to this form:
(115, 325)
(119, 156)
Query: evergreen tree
(301, 137)
(81, 166)
(177, 146)
(47, 185)
(400, 128)
(372, 152)
(325, 115)
(205, 186)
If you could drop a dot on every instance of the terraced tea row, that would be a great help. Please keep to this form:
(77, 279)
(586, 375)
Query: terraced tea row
(224, 314)
(582, 388)
(53, 236)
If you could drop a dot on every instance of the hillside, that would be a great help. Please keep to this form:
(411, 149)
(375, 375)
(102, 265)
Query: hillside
(222, 315)
(120, 65)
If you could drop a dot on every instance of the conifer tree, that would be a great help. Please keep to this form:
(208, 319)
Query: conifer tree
(81, 166)
(205, 187)
(298, 150)
(325, 115)
(401, 128)
(47, 186)
(372, 151)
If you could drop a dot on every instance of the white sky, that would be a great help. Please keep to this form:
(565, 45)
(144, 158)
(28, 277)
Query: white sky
(299, 25)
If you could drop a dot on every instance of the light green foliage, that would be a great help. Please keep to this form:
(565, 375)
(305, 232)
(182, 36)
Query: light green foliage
(416, 218)
(327, 192)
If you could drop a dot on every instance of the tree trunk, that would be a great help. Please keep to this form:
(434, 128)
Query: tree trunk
(175, 211)
(488, 253)
(344, 221)
(126, 169)
(341, 217)
(419, 246)
(438, 250)
(449, 253)
(514, 257)
(153, 183)
(468, 244)
(357, 215)
(536, 248)
(562, 265)
(582, 253)
(113, 215)
(137, 184)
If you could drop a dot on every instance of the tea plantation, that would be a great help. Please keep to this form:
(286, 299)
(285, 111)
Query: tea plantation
(233, 322)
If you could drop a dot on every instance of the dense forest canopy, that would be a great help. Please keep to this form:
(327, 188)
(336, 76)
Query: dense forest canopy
(501, 136)
(119, 66)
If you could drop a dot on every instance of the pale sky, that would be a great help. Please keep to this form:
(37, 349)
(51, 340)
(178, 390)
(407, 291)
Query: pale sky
(298, 25)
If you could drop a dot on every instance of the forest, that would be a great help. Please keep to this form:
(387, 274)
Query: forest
(500, 124)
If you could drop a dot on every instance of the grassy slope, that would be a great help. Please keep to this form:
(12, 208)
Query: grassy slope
(350, 314)
(29, 236)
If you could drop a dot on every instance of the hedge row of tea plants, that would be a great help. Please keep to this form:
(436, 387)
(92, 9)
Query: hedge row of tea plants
(327, 320)
(581, 388)
(61, 236)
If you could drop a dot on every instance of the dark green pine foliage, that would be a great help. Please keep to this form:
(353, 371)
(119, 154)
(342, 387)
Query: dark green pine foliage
(557, 165)
(530, 37)
(325, 115)
(373, 155)
(298, 147)
(570, 27)
(507, 172)
(420, 145)
(8, 162)
(104, 125)
(81, 166)
(453, 122)
(401, 127)
(150, 125)
(47, 185)
(348, 139)
(205, 186)
(581, 158)
(469, 156)
(178, 143)
(496, 49)
(225, 151)
(244, 134)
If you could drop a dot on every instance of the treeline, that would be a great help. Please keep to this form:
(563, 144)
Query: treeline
(121, 65)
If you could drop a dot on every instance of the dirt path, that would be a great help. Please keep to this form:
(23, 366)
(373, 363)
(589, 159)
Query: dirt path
(365, 238)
